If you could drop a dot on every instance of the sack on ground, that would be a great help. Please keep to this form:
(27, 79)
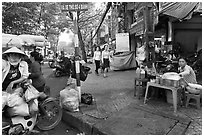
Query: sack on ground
(31, 93)
(69, 99)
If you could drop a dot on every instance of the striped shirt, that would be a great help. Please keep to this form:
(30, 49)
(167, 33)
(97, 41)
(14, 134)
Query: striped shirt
(188, 74)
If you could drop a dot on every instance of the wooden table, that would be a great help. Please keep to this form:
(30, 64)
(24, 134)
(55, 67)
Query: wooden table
(173, 89)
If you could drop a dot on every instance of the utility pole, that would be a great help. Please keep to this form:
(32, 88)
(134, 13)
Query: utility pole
(74, 7)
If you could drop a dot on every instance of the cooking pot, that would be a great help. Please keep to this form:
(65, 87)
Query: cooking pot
(171, 79)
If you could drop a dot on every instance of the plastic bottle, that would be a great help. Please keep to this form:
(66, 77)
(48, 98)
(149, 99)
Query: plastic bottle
(142, 73)
(154, 71)
(138, 72)
(137, 75)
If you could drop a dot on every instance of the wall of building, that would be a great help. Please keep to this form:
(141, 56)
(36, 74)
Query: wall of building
(188, 34)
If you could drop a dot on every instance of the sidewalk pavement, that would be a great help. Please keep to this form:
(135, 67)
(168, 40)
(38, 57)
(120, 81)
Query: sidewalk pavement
(117, 112)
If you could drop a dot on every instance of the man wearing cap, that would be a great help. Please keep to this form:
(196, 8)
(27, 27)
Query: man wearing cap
(14, 70)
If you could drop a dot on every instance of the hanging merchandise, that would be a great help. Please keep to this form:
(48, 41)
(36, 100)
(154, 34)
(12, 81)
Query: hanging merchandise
(137, 75)
(138, 72)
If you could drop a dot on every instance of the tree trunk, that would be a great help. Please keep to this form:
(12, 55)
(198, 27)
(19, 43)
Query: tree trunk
(81, 45)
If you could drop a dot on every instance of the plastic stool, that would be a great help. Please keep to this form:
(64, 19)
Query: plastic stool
(139, 86)
(196, 97)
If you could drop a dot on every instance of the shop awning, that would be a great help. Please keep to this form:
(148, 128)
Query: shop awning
(180, 10)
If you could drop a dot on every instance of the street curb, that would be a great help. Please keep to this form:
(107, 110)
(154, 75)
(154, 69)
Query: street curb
(87, 124)
(81, 122)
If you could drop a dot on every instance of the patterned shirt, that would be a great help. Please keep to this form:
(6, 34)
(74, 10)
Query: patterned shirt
(188, 74)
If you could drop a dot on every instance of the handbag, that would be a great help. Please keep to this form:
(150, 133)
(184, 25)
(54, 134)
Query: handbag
(102, 65)
(86, 98)
(83, 72)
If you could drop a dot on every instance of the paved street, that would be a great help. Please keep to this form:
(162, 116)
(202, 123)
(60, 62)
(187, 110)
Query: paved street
(116, 106)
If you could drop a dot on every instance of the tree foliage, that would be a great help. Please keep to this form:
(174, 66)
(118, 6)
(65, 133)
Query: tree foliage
(46, 18)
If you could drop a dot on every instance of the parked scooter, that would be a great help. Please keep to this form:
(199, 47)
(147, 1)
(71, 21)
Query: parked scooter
(48, 117)
(63, 68)
(51, 63)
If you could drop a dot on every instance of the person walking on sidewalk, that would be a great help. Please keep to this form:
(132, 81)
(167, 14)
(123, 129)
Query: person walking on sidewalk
(105, 60)
(97, 59)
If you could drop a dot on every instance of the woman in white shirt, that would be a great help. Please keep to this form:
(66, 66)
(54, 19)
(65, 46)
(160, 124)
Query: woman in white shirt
(186, 71)
(105, 60)
(97, 59)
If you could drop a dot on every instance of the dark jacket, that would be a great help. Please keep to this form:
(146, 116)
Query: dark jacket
(36, 75)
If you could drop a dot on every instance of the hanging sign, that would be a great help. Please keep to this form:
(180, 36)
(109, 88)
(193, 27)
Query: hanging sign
(74, 6)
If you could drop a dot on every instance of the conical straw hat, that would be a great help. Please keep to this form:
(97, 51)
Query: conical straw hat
(14, 50)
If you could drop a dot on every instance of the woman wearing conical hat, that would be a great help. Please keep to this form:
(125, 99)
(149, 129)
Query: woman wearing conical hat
(14, 70)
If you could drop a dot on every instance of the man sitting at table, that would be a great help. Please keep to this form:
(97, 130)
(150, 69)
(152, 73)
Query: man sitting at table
(186, 71)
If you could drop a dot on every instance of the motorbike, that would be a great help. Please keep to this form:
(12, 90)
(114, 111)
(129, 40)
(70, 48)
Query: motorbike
(62, 68)
(48, 116)
(51, 63)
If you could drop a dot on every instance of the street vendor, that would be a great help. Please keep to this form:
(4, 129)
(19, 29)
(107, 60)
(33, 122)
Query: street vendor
(14, 70)
(186, 71)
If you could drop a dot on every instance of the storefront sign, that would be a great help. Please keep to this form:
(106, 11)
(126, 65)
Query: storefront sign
(122, 42)
(74, 6)
(138, 26)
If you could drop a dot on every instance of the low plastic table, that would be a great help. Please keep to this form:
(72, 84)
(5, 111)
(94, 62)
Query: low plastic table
(173, 89)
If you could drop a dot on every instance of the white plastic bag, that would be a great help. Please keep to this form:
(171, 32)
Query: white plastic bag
(33, 105)
(4, 99)
(31, 93)
(69, 99)
(14, 100)
(20, 109)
